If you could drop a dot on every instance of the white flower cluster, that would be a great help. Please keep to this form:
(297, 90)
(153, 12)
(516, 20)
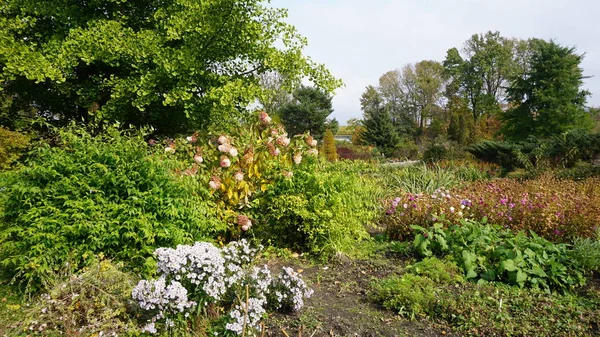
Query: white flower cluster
(163, 297)
(201, 264)
(290, 290)
(215, 276)
(239, 316)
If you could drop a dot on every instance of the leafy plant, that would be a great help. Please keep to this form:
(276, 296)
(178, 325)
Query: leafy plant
(94, 194)
(316, 210)
(487, 253)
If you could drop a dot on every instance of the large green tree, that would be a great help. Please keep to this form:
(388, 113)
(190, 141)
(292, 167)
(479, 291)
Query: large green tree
(173, 64)
(547, 98)
(309, 110)
(481, 71)
(379, 129)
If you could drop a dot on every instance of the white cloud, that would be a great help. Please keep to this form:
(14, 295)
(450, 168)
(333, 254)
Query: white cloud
(360, 40)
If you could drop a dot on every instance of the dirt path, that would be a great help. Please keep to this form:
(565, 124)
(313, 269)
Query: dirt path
(339, 305)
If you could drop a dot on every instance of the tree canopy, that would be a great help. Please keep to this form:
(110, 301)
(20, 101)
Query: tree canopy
(173, 64)
(309, 110)
(547, 99)
(379, 129)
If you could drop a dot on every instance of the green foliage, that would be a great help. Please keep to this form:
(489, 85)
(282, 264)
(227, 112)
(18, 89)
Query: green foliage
(308, 111)
(410, 295)
(12, 146)
(499, 310)
(329, 148)
(439, 271)
(176, 65)
(420, 179)
(321, 212)
(487, 253)
(95, 301)
(416, 293)
(432, 288)
(95, 194)
(547, 99)
(379, 129)
(586, 253)
(478, 77)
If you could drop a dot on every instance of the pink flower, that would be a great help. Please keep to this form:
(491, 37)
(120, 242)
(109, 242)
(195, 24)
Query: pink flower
(310, 140)
(297, 158)
(222, 140)
(215, 183)
(283, 141)
(244, 221)
(225, 162)
(264, 118)
(198, 159)
(238, 176)
(273, 150)
(233, 152)
(225, 148)
(288, 174)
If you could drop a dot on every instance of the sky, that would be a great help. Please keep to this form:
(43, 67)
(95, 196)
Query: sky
(360, 40)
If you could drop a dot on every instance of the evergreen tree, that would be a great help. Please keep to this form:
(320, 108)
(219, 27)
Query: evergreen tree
(329, 146)
(379, 128)
(547, 99)
(308, 111)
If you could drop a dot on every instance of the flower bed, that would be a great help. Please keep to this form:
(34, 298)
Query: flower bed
(558, 210)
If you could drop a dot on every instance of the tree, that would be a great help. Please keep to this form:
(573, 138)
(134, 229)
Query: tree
(424, 86)
(329, 149)
(379, 129)
(176, 65)
(547, 99)
(308, 111)
(276, 91)
(481, 73)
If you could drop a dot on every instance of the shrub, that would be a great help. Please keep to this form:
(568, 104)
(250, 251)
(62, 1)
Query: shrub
(240, 165)
(96, 194)
(416, 292)
(410, 295)
(12, 145)
(329, 146)
(91, 303)
(318, 211)
(558, 210)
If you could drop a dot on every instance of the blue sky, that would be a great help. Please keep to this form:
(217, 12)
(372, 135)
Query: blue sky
(359, 40)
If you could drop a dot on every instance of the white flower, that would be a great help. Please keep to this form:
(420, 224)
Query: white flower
(313, 152)
(238, 176)
(169, 149)
(313, 143)
(451, 209)
(198, 159)
(297, 158)
(233, 152)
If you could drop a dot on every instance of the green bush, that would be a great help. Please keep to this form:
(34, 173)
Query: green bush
(410, 295)
(12, 146)
(318, 210)
(416, 292)
(96, 194)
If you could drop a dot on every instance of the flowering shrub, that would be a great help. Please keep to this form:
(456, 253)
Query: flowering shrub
(238, 166)
(558, 210)
(203, 279)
